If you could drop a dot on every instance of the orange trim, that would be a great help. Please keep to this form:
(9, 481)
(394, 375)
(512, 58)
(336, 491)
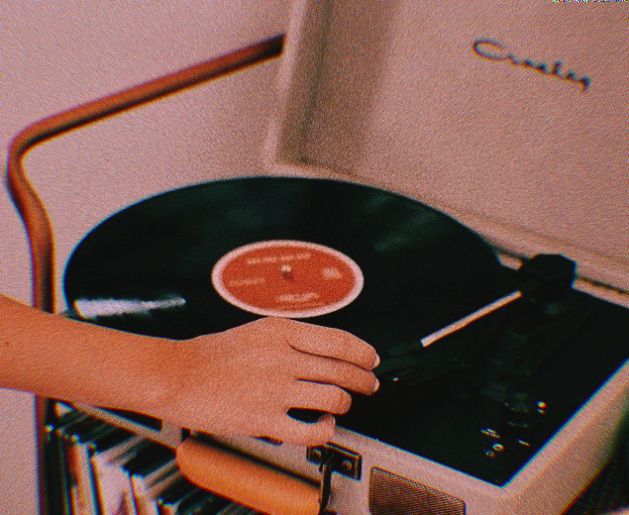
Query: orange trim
(245, 481)
(31, 208)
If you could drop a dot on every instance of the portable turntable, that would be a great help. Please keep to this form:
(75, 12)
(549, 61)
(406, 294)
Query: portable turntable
(515, 412)
(482, 401)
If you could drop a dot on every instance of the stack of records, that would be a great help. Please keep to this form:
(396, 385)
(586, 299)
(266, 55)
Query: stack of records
(97, 468)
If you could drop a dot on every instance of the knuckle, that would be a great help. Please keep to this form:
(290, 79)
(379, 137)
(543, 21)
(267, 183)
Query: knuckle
(262, 322)
(342, 333)
(347, 336)
(327, 345)
(272, 323)
(342, 338)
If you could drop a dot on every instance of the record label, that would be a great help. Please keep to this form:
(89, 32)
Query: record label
(287, 278)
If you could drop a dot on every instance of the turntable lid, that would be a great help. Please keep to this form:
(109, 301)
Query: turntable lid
(510, 116)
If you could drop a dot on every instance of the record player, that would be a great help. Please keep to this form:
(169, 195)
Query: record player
(384, 113)
(481, 398)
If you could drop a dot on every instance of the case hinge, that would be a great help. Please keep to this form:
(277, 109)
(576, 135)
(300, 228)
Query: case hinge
(333, 458)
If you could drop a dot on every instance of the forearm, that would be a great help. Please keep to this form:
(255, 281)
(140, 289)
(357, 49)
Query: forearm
(241, 381)
(56, 357)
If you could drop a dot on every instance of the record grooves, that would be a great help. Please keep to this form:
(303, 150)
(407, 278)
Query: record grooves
(147, 268)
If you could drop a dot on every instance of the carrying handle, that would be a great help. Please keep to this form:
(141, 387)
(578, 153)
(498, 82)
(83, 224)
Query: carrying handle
(247, 482)
(30, 206)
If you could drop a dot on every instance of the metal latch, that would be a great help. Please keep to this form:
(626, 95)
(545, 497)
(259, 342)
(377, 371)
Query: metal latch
(333, 458)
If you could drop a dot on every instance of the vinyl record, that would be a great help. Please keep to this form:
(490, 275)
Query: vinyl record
(213, 256)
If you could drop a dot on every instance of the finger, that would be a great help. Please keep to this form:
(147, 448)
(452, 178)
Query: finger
(333, 343)
(320, 397)
(303, 433)
(340, 373)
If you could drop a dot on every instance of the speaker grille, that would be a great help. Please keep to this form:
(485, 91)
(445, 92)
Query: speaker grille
(395, 495)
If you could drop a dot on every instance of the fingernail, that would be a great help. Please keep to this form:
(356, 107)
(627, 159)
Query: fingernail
(377, 362)
(376, 387)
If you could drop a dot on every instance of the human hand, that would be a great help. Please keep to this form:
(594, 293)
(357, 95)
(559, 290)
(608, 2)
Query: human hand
(244, 381)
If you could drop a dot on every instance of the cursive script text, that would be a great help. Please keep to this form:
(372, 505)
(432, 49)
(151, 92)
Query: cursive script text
(496, 51)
